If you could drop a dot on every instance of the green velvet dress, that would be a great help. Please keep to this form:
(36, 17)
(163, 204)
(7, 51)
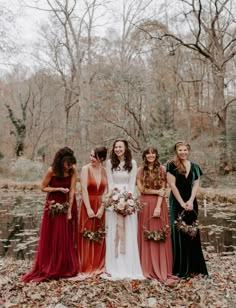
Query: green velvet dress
(187, 251)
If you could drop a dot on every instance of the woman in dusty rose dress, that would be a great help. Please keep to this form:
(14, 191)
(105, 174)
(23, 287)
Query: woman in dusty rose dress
(56, 255)
(156, 257)
(91, 216)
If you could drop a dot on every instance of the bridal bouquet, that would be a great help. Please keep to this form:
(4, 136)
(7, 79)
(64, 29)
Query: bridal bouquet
(123, 202)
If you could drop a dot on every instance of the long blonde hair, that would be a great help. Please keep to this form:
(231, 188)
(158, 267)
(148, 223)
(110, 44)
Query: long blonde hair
(178, 162)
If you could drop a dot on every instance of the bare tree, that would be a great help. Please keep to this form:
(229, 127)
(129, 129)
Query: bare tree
(212, 35)
(19, 123)
(122, 80)
(41, 112)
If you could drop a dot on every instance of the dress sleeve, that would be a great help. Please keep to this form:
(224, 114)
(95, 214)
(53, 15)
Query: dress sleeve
(170, 167)
(197, 171)
(110, 181)
(132, 177)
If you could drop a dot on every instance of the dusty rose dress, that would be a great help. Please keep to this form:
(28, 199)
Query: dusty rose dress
(91, 253)
(156, 257)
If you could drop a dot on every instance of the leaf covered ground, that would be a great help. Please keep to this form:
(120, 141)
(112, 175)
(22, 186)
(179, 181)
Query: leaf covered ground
(217, 291)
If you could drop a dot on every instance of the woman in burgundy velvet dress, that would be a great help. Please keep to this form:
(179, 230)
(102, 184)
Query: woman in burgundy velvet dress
(56, 255)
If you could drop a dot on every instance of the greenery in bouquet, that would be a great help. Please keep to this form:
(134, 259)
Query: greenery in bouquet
(123, 202)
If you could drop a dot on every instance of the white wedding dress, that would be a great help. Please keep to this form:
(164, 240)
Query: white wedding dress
(123, 265)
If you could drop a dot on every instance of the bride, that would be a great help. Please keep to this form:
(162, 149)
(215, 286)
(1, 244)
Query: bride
(122, 256)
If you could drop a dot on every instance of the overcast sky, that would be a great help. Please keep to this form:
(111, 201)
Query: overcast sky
(28, 20)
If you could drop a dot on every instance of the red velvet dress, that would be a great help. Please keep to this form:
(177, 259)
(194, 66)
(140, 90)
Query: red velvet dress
(91, 253)
(56, 255)
(155, 257)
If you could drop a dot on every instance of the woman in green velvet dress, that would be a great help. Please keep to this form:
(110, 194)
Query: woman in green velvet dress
(183, 177)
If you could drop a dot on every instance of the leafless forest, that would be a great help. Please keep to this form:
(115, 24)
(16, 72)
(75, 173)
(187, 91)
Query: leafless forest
(149, 73)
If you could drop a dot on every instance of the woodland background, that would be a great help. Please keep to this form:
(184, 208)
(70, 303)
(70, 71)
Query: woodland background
(152, 73)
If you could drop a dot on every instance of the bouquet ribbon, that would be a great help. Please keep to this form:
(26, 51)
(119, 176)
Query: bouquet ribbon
(120, 235)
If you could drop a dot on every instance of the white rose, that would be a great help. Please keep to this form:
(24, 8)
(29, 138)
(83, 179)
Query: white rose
(121, 206)
(115, 197)
(130, 202)
(122, 200)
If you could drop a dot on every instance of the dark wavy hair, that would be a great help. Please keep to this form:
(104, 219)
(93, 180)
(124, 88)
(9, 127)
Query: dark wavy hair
(127, 157)
(100, 153)
(64, 154)
(178, 162)
(156, 169)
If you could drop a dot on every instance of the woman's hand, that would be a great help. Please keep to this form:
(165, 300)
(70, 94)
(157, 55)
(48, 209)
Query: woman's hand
(157, 211)
(100, 212)
(64, 190)
(69, 216)
(90, 213)
(161, 192)
(189, 205)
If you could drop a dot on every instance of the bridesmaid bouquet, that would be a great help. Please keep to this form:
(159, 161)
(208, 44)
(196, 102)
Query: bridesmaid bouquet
(181, 225)
(56, 208)
(156, 235)
(123, 202)
(95, 236)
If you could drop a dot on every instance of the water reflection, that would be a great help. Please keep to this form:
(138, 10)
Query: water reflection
(21, 213)
(218, 231)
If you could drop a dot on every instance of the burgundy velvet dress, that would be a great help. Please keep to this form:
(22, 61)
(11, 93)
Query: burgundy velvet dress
(155, 257)
(56, 255)
(91, 253)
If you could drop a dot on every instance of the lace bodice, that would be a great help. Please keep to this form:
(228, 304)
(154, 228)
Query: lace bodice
(120, 178)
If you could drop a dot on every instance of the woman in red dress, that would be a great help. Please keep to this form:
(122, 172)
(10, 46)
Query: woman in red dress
(91, 217)
(155, 256)
(56, 255)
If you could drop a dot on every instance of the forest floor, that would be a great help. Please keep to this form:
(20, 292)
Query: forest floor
(218, 290)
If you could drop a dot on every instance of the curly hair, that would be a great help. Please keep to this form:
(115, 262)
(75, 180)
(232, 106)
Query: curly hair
(64, 154)
(127, 156)
(155, 172)
(178, 162)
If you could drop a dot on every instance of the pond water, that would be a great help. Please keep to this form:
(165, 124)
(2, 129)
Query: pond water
(21, 213)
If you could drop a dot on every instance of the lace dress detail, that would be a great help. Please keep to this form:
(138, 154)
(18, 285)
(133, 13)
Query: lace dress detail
(122, 265)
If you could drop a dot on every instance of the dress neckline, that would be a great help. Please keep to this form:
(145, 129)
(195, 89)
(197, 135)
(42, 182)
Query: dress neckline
(98, 183)
(190, 166)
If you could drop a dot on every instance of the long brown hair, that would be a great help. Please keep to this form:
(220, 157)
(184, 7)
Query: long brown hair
(178, 162)
(127, 156)
(156, 169)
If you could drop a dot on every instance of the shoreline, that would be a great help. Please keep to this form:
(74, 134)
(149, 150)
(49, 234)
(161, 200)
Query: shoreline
(222, 194)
